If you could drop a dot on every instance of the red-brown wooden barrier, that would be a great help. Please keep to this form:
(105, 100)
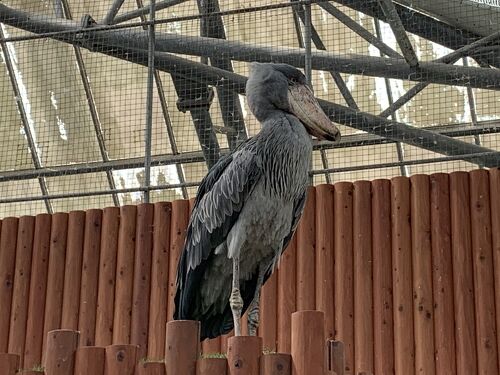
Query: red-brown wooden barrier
(64, 356)
(406, 272)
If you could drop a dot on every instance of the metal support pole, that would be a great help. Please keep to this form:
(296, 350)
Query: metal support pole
(399, 147)
(166, 116)
(472, 106)
(149, 101)
(307, 44)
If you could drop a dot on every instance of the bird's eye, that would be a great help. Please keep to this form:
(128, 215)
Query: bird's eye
(293, 80)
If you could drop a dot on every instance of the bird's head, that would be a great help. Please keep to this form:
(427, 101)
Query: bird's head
(272, 87)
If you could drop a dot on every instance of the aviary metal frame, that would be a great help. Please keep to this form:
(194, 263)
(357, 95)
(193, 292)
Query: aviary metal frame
(141, 45)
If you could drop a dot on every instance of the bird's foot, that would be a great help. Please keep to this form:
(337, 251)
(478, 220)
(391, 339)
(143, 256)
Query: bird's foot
(253, 320)
(236, 303)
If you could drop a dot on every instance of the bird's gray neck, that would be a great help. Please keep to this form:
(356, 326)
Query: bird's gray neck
(286, 149)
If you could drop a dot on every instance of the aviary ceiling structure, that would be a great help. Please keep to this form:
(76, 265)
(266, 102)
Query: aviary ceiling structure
(413, 86)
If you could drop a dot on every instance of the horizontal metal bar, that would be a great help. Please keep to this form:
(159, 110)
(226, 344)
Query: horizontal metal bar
(195, 184)
(145, 10)
(210, 47)
(394, 164)
(355, 140)
(98, 192)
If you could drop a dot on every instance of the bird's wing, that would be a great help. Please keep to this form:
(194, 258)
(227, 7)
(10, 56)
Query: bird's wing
(220, 198)
(298, 208)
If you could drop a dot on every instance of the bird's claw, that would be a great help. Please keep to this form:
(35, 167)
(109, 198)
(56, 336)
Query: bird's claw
(253, 320)
(236, 303)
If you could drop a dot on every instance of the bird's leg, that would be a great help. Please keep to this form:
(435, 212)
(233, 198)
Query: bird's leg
(254, 310)
(235, 301)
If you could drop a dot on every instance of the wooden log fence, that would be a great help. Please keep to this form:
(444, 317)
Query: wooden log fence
(64, 354)
(406, 273)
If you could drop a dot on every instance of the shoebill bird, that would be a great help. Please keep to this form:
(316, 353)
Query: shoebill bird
(248, 205)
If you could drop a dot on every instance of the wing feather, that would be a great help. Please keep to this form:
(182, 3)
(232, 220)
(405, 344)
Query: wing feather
(220, 198)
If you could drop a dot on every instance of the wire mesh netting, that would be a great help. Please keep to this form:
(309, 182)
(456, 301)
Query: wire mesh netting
(85, 120)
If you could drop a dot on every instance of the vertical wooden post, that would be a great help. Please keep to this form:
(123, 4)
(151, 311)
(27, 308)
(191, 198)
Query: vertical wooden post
(243, 355)
(159, 280)
(179, 222)
(90, 277)
(463, 283)
(404, 349)
(482, 259)
(182, 346)
(151, 368)
(344, 277)
(382, 278)
(73, 270)
(268, 312)
(8, 239)
(337, 357)
(55, 275)
(90, 360)
(36, 309)
(442, 277)
(124, 275)
(142, 278)
(276, 364)
(19, 310)
(495, 234)
(121, 359)
(107, 276)
(363, 288)
(423, 310)
(60, 352)
(9, 364)
(209, 366)
(287, 287)
(308, 343)
(325, 255)
(305, 254)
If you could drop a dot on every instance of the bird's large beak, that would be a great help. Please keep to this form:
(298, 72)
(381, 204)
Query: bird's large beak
(304, 105)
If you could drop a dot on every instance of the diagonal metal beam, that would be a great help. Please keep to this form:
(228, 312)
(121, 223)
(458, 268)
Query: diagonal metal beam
(91, 103)
(360, 30)
(142, 11)
(472, 106)
(360, 120)
(450, 58)
(426, 27)
(112, 12)
(212, 76)
(398, 29)
(212, 26)
(24, 119)
(166, 118)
